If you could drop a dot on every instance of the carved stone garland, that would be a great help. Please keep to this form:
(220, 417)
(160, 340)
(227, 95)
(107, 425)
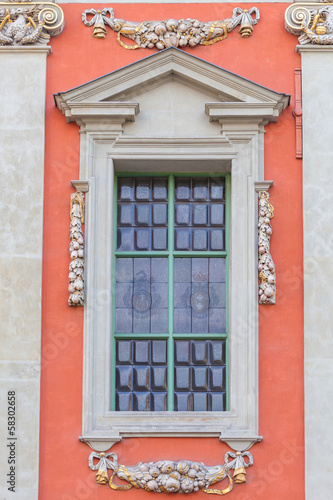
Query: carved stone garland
(76, 250)
(29, 23)
(170, 33)
(312, 22)
(172, 477)
(266, 268)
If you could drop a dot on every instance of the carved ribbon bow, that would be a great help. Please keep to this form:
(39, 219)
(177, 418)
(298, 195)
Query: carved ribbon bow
(99, 18)
(245, 19)
(238, 464)
(103, 465)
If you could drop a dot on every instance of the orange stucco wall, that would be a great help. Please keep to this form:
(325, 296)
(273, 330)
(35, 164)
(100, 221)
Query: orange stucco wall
(268, 58)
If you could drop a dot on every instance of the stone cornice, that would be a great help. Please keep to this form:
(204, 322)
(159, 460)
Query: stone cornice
(26, 49)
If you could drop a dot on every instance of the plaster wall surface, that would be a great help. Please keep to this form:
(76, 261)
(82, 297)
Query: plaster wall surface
(318, 268)
(22, 86)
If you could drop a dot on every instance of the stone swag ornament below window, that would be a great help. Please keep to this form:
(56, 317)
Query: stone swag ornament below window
(167, 476)
(171, 32)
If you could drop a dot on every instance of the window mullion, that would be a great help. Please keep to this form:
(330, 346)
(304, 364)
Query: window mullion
(114, 262)
(171, 196)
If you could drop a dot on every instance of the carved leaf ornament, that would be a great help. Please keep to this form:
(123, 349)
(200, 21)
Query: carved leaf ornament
(76, 250)
(172, 477)
(266, 268)
(171, 32)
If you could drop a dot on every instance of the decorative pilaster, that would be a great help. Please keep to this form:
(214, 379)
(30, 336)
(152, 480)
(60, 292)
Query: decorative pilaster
(298, 113)
(266, 268)
(76, 247)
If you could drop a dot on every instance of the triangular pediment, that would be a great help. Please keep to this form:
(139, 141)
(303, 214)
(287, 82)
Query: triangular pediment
(125, 85)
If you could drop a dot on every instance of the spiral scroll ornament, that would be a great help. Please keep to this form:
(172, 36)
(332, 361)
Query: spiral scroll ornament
(296, 17)
(313, 22)
(53, 18)
(28, 23)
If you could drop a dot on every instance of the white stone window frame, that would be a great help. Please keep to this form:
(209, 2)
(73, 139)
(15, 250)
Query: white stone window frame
(238, 150)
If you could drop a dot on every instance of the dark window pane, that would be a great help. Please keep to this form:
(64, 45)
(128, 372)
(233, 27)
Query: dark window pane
(217, 270)
(158, 401)
(182, 214)
(200, 239)
(200, 401)
(139, 205)
(217, 352)
(125, 239)
(182, 352)
(160, 189)
(217, 189)
(216, 239)
(126, 189)
(124, 378)
(141, 351)
(160, 214)
(141, 378)
(217, 378)
(146, 384)
(159, 378)
(182, 239)
(124, 401)
(217, 214)
(141, 401)
(159, 320)
(183, 270)
(182, 378)
(159, 270)
(124, 270)
(200, 189)
(159, 352)
(183, 189)
(160, 239)
(142, 214)
(124, 352)
(125, 214)
(141, 295)
(200, 215)
(199, 352)
(142, 191)
(217, 401)
(199, 378)
(183, 401)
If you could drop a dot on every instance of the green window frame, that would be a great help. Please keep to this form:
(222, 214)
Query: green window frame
(171, 254)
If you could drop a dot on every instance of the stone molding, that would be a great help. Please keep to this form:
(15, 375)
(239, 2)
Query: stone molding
(26, 49)
(106, 147)
(313, 48)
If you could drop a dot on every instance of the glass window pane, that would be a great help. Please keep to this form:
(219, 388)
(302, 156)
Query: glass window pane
(141, 375)
(142, 205)
(200, 207)
(200, 375)
(142, 292)
(141, 295)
